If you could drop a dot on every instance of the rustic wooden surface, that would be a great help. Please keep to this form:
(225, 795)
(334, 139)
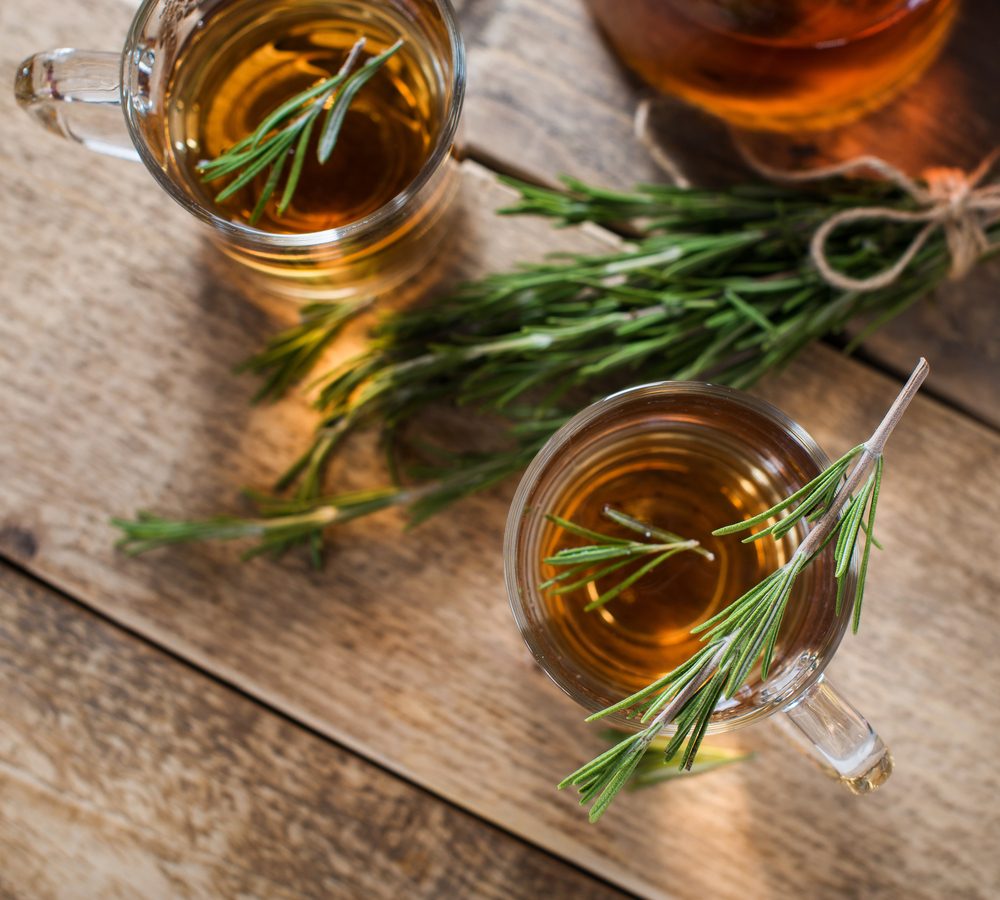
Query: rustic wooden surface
(116, 348)
(124, 773)
(548, 97)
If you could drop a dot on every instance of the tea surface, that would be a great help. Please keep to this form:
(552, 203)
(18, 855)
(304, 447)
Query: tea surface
(683, 481)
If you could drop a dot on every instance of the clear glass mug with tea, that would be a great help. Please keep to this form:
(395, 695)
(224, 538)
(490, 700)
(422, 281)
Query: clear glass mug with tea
(781, 65)
(689, 458)
(196, 76)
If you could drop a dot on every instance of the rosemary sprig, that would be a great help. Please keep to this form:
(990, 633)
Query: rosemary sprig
(286, 131)
(746, 631)
(290, 356)
(578, 563)
(280, 524)
(718, 287)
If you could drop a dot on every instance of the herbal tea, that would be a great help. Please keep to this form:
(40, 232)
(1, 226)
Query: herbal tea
(242, 64)
(782, 64)
(689, 477)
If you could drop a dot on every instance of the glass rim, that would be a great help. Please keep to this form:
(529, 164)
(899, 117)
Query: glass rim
(247, 234)
(537, 468)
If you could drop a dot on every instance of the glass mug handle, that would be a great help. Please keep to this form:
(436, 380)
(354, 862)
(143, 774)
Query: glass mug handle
(838, 738)
(76, 94)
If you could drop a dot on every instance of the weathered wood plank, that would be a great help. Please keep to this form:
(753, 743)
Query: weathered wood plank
(125, 773)
(115, 354)
(547, 96)
(403, 649)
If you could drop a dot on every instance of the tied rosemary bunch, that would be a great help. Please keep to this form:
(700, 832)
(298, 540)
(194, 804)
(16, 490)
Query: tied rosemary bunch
(840, 503)
(285, 133)
(718, 286)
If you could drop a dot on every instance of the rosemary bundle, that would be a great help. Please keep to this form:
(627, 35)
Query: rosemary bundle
(719, 285)
(841, 503)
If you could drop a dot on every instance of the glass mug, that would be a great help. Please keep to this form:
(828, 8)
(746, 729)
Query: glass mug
(114, 103)
(761, 449)
(778, 65)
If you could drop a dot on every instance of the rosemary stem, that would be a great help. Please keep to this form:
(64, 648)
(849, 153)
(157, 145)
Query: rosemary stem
(666, 715)
(873, 449)
(876, 443)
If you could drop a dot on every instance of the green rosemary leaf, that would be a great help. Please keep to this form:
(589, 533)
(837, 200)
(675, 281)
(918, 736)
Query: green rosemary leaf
(713, 691)
(820, 481)
(296, 172)
(633, 524)
(296, 103)
(653, 769)
(274, 153)
(572, 556)
(576, 560)
(269, 187)
(580, 531)
(215, 169)
(620, 777)
(337, 113)
(591, 577)
(626, 583)
(290, 356)
(849, 529)
(748, 310)
(869, 540)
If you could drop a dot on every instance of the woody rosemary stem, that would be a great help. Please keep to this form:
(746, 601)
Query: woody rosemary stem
(873, 449)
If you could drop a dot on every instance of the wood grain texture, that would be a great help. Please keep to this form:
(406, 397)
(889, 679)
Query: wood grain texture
(124, 773)
(116, 348)
(547, 96)
(403, 649)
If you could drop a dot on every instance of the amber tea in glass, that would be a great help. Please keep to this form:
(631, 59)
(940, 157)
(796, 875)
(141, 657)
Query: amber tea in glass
(688, 458)
(242, 65)
(687, 482)
(196, 76)
(784, 65)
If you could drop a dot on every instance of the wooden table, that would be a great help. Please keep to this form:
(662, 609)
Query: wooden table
(186, 725)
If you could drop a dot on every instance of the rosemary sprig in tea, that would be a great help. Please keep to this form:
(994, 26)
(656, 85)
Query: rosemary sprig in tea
(578, 563)
(746, 631)
(286, 131)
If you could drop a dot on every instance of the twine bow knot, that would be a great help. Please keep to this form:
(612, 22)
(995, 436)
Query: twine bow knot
(949, 198)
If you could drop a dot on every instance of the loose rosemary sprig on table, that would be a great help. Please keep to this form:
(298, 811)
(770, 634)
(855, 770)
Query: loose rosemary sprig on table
(746, 631)
(718, 287)
(291, 355)
(578, 563)
(286, 131)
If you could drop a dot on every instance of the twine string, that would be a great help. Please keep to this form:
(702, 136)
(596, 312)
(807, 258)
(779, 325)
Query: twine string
(947, 198)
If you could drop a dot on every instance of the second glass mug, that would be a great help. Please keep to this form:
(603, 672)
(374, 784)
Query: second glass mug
(797, 693)
(113, 103)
